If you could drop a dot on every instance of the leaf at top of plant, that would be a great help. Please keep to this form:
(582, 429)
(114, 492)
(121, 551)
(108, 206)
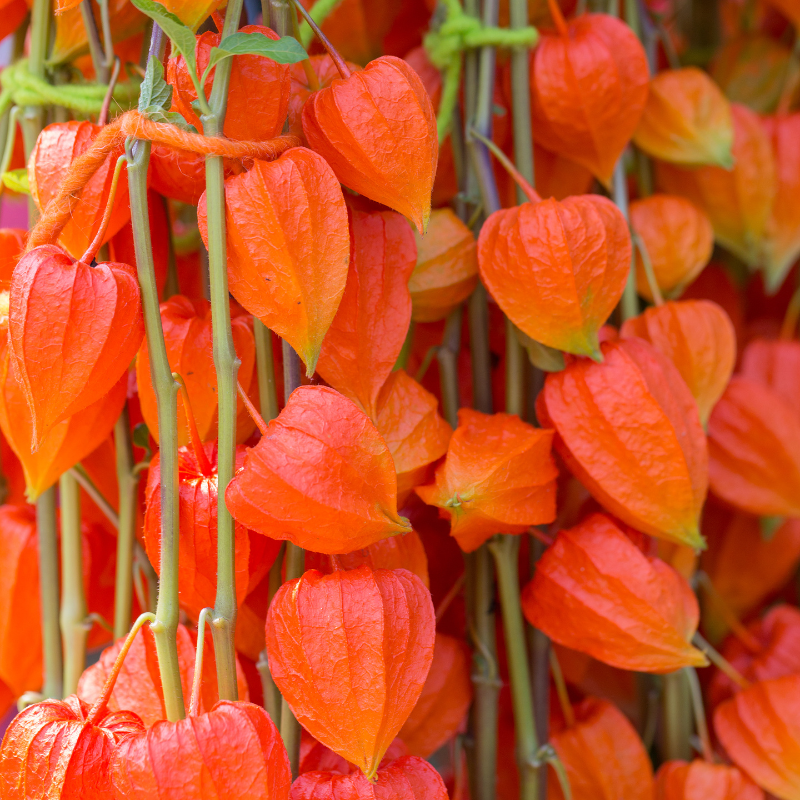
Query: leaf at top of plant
(180, 35)
(286, 50)
(154, 92)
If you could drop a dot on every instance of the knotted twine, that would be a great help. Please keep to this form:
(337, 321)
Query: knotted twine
(446, 46)
(112, 138)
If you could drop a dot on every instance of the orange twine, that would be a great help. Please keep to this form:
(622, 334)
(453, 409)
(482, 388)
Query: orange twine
(112, 138)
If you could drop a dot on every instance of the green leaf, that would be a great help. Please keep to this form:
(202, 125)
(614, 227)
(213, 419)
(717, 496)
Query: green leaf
(286, 50)
(181, 36)
(17, 181)
(545, 358)
(158, 114)
(154, 92)
(141, 437)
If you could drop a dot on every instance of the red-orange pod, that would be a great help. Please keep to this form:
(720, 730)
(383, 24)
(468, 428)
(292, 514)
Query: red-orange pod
(697, 336)
(595, 591)
(559, 177)
(700, 780)
(73, 330)
(20, 610)
(589, 83)
(177, 174)
(602, 754)
(377, 130)
(232, 751)
(446, 271)
(738, 201)
(258, 95)
(367, 334)
(67, 443)
(609, 420)
(12, 243)
(775, 363)
(406, 778)
(678, 238)
(188, 338)
(56, 148)
(62, 750)
(557, 269)
(754, 450)
(288, 246)
(499, 476)
(197, 545)
(760, 731)
(350, 653)
(408, 419)
(769, 648)
(321, 476)
(782, 246)
(446, 696)
(687, 120)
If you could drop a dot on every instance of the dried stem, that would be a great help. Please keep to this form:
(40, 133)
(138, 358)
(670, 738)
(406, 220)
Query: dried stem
(699, 713)
(47, 533)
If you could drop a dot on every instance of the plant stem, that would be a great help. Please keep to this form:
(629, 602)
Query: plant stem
(699, 713)
(95, 45)
(165, 627)
(48, 587)
(126, 534)
(720, 662)
(226, 364)
(539, 653)
(505, 550)
(73, 598)
(81, 476)
(290, 727)
(447, 356)
(265, 370)
(677, 718)
(630, 303)
(272, 696)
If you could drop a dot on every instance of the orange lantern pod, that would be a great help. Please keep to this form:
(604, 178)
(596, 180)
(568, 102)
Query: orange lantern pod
(678, 238)
(760, 730)
(12, 243)
(191, 12)
(407, 778)
(188, 338)
(73, 331)
(602, 754)
(14, 13)
(258, 95)
(396, 552)
(377, 130)
(408, 419)
(499, 476)
(589, 82)
(754, 450)
(738, 201)
(315, 757)
(288, 246)
(557, 269)
(775, 363)
(367, 334)
(697, 336)
(56, 148)
(321, 476)
(768, 649)
(138, 684)
(679, 780)
(20, 609)
(445, 700)
(609, 420)
(447, 267)
(62, 749)
(559, 177)
(67, 443)
(596, 592)
(350, 653)
(197, 544)
(789, 8)
(326, 71)
(745, 567)
(687, 120)
(782, 245)
(234, 751)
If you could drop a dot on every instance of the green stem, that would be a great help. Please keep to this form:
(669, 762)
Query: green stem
(95, 45)
(126, 534)
(515, 371)
(47, 533)
(677, 711)
(447, 356)
(86, 483)
(630, 303)
(505, 550)
(165, 628)
(226, 364)
(699, 713)
(539, 652)
(74, 611)
(272, 695)
(265, 371)
(290, 727)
